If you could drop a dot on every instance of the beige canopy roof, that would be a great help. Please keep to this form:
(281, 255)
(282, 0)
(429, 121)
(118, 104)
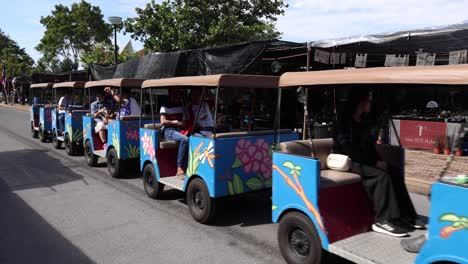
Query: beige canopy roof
(221, 80)
(121, 82)
(41, 85)
(448, 74)
(69, 85)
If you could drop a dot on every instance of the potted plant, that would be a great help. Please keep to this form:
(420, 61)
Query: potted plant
(458, 148)
(447, 149)
(380, 136)
(437, 145)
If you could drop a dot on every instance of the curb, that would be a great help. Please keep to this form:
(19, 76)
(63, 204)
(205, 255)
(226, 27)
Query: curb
(418, 186)
(24, 108)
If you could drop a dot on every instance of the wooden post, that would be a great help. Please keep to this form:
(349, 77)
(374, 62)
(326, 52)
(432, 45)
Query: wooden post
(306, 99)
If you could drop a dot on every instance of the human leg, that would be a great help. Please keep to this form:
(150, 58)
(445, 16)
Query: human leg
(407, 210)
(182, 141)
(61, 121)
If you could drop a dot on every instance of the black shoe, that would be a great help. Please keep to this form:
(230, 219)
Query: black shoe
(388, 228)
(413, 245)
(415, 223)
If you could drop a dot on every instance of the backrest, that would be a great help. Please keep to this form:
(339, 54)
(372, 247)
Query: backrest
(321, 148)
(297, 147)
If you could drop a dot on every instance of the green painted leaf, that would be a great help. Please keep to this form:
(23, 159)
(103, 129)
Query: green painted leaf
(267, 183)
(254, 184)
(274, 207)
(237, 164)
(288, 165)
(237, 184)
(230, 188)
(458, 224)
(298, 168)
(449, 217)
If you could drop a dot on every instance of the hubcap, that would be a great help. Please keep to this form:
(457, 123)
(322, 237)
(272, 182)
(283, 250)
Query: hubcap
(299, 243)
(199, 200)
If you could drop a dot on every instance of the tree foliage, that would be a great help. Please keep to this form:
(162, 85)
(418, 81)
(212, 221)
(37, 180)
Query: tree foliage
(72, 31)
(189, 24)
(18, 62)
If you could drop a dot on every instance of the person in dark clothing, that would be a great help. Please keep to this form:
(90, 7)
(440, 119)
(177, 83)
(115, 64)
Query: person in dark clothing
(385, 185)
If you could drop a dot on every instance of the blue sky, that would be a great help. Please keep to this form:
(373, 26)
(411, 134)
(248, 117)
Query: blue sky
(305, 20)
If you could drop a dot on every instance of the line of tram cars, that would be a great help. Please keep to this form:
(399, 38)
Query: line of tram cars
(314, 210)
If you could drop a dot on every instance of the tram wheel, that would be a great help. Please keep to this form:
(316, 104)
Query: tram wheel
(69, 147)
(34, 133)
(42, 137)
(115, 166)
(57, 143)
(298, 240)
(152, 187)
(90, 158)
(202, 207)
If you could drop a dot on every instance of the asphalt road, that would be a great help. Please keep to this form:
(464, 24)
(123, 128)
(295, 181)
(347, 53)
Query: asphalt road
(55, 209)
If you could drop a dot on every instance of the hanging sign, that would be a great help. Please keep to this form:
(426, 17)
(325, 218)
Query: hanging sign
(457, 57)
(392, 60)
(425, 59)
(322, 56)
(361, 61)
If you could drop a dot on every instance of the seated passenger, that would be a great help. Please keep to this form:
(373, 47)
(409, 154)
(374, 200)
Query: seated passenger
(100, 113)
(394, 210)
(63, 104)
(172, 117)
(205, 123)
(129, 105)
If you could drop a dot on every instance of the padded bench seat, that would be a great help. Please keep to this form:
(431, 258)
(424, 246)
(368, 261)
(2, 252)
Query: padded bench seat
(168, 144)
(321, 148)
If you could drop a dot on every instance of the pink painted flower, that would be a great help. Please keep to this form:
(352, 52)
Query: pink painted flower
(132, 135)
(148, 148)
(48, 116)
(254, 157)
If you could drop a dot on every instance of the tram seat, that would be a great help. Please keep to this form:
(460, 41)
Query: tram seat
(321, 148)
(251, 133)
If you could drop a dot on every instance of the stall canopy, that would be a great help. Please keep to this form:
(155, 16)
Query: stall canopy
(234, 59)
(439, 40)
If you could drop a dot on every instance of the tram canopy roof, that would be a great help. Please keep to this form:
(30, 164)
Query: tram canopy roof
(41, 85)
(120, 82)
(69, 85)
(220, 80)
(445, 75)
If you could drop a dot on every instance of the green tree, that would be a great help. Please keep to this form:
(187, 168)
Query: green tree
(189, 24)
(72, 31)
(18, 62)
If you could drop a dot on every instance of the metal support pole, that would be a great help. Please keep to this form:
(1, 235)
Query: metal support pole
(306, 114)
(115, 44)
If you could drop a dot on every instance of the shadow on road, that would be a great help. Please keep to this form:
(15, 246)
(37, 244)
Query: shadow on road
(25, 236)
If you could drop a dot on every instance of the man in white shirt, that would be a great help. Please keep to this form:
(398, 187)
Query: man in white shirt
(63, 104)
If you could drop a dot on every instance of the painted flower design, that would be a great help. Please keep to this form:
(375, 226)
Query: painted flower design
(207, 155)
(132, 135)
(254, 157)
(148, 148)
(48, 116)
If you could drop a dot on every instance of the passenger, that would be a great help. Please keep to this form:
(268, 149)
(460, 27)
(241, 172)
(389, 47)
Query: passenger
(205, 123)
(394, 210)
(172, 117)
(101, 114)
(63, 104)
(129, 105)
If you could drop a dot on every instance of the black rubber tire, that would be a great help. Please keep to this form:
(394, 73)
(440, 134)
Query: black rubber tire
(42, 136)
(34, 133)
(152, 187)
(57, 143)
(69, 146)
(202, 207)
(298, 240)
(90, 158)
(115, 166)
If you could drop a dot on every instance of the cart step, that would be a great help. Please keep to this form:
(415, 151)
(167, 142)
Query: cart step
(373, 248)
(101, 153)
(173, 182)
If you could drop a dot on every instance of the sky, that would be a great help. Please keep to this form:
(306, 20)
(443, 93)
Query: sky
(304, 20)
